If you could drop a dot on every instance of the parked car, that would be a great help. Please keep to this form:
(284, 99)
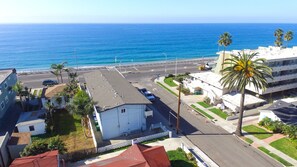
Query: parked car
(147, 94)
(49, 82)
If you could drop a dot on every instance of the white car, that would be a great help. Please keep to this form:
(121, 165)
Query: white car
(147, 94)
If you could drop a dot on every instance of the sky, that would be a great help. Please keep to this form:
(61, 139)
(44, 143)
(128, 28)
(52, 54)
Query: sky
(148, 11)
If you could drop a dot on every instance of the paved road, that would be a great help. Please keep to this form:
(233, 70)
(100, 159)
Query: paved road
(224, 148)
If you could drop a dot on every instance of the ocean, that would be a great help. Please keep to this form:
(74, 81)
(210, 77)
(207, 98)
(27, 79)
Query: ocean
(37, 46)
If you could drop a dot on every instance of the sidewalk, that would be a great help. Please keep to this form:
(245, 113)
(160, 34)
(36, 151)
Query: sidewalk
(229, 126)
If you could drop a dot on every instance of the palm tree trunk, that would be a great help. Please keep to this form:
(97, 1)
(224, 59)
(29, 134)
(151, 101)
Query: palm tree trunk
(58, 78)
(239, 124)
(223, 59)
(61, 76)
(22, 103)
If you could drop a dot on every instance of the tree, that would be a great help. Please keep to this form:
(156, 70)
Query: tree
(39, 147)
(288, 36)
(243, 70)
(50, 107)
(278, 33)
(58, 69)
(56, 73)
(225, 40)
(19, 89)
(82, 105)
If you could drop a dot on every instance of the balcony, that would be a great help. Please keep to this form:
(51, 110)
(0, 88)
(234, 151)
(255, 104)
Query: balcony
(282, 78)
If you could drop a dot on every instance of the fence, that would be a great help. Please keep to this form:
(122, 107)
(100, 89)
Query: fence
(92, 126)
(133, 141)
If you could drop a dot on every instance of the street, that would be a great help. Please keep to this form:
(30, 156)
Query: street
(222, 147)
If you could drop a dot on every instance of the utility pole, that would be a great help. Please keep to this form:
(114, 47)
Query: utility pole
(178, 109)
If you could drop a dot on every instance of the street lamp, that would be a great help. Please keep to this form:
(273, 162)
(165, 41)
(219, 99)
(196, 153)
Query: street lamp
(165, 63)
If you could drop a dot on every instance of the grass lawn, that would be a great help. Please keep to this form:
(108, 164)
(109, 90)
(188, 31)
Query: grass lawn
(248, 140)
(286, 146)
(219, 112)
(201, 112)
(276, 157)
(69, 129)
(178, 158)
(167, 89)
(169, 82)
(203, 104)
(257, 132)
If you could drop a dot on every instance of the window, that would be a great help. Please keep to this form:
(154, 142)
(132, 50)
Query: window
(2, 105)
(5, 85)
(6, 99)
(31, 128)
(123, 110)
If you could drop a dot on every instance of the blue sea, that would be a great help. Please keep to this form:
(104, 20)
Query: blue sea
(37, 46)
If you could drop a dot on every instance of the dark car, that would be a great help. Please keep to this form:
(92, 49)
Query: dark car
(147, 94)
(49, 82)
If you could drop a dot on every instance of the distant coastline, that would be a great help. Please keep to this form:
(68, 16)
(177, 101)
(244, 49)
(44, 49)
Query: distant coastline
(34, 47)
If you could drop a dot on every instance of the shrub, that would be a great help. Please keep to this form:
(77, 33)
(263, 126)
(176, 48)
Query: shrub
(169, 75)
(206, 100)
(185, 91)
(179, 79)
(57, 144)
(187, 73)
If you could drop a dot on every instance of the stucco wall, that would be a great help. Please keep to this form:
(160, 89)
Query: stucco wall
(14, 150)
(39, 128)
(10, 81)
(4, 155)
(114, 123)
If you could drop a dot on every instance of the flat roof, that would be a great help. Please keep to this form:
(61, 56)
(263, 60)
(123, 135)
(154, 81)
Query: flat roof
(20, 138)
(31, 117)
(110, 89)
(270, 52)
(234, 98)
(209, 77)
(4, 73)
(54, 90)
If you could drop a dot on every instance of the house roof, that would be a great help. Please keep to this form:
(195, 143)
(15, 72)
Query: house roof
(31, 117)
(54, 90)
(286, 112)
(20, 138)
(47, 159)
(4, 73)
(137, 155)
(234, 98)
(209, 77)
(109, 89)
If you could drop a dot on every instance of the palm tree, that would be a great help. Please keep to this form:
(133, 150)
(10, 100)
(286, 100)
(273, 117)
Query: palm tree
(288, 36)
(18, 88)
(225, 40)
(82, 105)
(56, 73)
(243, 70)
(50, 107)
(58, 68)
(278, 33)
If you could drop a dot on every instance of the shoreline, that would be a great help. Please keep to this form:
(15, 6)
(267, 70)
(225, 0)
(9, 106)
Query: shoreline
(123, 65)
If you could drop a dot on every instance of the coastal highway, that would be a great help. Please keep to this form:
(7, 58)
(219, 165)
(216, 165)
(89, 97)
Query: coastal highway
(222, 147)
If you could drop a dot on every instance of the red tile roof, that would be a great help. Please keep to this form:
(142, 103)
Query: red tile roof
(47, 159)
(137, 156)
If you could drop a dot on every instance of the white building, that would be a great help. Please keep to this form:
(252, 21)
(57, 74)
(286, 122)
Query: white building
(51, 95)
(120, 108)
(33, 122)
(283, 62)
(281, 111)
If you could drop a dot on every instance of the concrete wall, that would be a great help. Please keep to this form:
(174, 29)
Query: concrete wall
(7, 95)
(114, 122)
(39, 128)
(4, 154)
(14, 150)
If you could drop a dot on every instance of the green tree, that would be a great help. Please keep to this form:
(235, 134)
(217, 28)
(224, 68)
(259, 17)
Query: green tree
(57, 144)
(82, 105)
(58, 69)
(18, 89)
(288, 36)
(278, 33)
(225, 40)
(56, 73)
(243, 70)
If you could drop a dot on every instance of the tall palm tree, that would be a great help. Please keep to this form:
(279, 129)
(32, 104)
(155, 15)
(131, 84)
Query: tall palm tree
(288, 36)
(56, 73)
(243, 70)
(278, 33)
(58, 68)
(225, 40)
(19, 88)
(82, 105)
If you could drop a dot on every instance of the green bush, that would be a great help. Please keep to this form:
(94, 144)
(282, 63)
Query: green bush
(169, 75)
(185, 91)
(206, 100)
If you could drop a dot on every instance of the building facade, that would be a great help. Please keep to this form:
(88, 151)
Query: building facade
(8, 79)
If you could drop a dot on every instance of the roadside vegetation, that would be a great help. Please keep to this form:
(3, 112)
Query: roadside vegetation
(169, 82)
(286, 146)
(219, 112)
(274, 156)
(248, 140)
(203, 104)
(178, 158)
(167, 89)
(203, 113)
(257, 132)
